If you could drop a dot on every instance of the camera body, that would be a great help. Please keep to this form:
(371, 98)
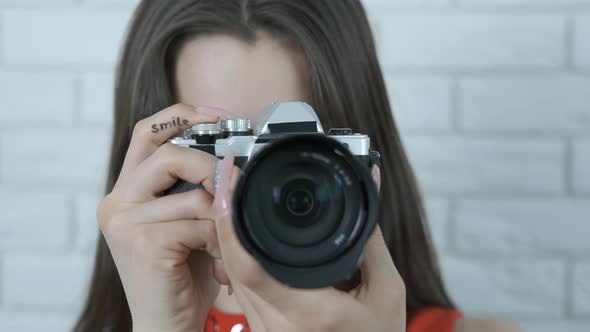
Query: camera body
(279, 120)
(305, 203)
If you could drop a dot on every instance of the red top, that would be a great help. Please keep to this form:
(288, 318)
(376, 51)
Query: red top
(423, 320)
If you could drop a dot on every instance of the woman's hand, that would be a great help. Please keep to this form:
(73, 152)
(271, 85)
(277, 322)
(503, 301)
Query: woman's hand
(169, 287)
(376, 305)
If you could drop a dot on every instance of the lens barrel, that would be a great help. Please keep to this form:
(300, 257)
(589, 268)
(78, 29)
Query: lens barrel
(304, 207)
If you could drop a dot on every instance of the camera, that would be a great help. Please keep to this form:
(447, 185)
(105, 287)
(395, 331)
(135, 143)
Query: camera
(305, 203)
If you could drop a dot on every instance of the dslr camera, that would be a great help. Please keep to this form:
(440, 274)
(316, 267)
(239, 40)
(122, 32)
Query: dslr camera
(305, 203)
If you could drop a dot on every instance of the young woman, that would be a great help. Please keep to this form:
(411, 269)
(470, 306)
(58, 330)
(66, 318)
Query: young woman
(173, 263)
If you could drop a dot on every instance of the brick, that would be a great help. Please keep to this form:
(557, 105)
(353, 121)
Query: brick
(581, 165)
(112, 3)
(582, 41)
(98, 98)
(11, 322)
(524, 104)
(54, 157)
(472, 41)
(506, 288)
(437, 211)
(523, 226)
(581, 289)
(63, 37)
(58, 282)
(486, 165)
(526, 3)
(412, 3)
(412, 110)
(27, 218)
(553, 326)
(36, 3)
(52, 102)
(86, 227)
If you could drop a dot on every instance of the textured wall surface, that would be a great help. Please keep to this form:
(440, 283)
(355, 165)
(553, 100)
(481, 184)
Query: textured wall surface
(492, 97)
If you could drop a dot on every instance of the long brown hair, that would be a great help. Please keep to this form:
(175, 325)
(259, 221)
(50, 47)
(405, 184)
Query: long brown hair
(347, 90)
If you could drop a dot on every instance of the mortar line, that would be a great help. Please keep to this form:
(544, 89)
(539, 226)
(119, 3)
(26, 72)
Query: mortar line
(568, 167)
(492, 71)
(569, 42)
(568, 296)
(2, 37)
(1, 279)
(78, 88)
(451, 226)
(1, 161)
(456, 110)
(72, 224)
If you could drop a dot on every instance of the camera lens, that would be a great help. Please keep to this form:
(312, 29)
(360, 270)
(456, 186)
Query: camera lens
(301, 205)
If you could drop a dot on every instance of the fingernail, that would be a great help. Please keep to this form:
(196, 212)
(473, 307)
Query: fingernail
(215, 112)
(223, 178)
(376, 174)
(230, 289)
(216, 177)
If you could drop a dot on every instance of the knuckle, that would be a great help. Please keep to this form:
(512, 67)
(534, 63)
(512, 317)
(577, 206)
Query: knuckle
(167, 151)
(104, 212)
(182, 107)
(209, 232)
(110, 225)
(141, 128)
(166, 155)
(199, 201)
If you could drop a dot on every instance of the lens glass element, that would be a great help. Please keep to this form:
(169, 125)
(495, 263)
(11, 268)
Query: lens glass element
(302, 203)
(299, 200)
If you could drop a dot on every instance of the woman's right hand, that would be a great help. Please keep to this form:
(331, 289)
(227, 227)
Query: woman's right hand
(169, 286)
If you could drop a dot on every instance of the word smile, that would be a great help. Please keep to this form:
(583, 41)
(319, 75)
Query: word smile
(174, 123)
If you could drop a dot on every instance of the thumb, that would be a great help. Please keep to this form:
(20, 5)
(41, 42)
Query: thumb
(238, 263)
(225, 181)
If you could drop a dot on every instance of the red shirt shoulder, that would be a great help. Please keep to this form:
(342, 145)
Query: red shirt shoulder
(432, 319)
(422, 320)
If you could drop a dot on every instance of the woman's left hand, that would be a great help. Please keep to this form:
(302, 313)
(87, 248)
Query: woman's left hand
(377, 304)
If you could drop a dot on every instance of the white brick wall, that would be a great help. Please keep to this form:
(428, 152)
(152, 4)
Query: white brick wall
(492, 97)
(476, 40)
(582, 289)
(581, 166)
(508, 287)
(582, 46)
(473, 164)
(525, 104)
(28, 219)
(62, 36)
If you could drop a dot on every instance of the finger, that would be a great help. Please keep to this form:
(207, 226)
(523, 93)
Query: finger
(165, 167)
(219, 272)
(191, 205)
(153, 131)
(231, 247)
(379, 273)
(240, 265)
(168, 241)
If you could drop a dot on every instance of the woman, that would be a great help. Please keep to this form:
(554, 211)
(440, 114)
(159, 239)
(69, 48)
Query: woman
(173, 263)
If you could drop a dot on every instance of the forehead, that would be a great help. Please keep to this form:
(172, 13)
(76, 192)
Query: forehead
(226, 72)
